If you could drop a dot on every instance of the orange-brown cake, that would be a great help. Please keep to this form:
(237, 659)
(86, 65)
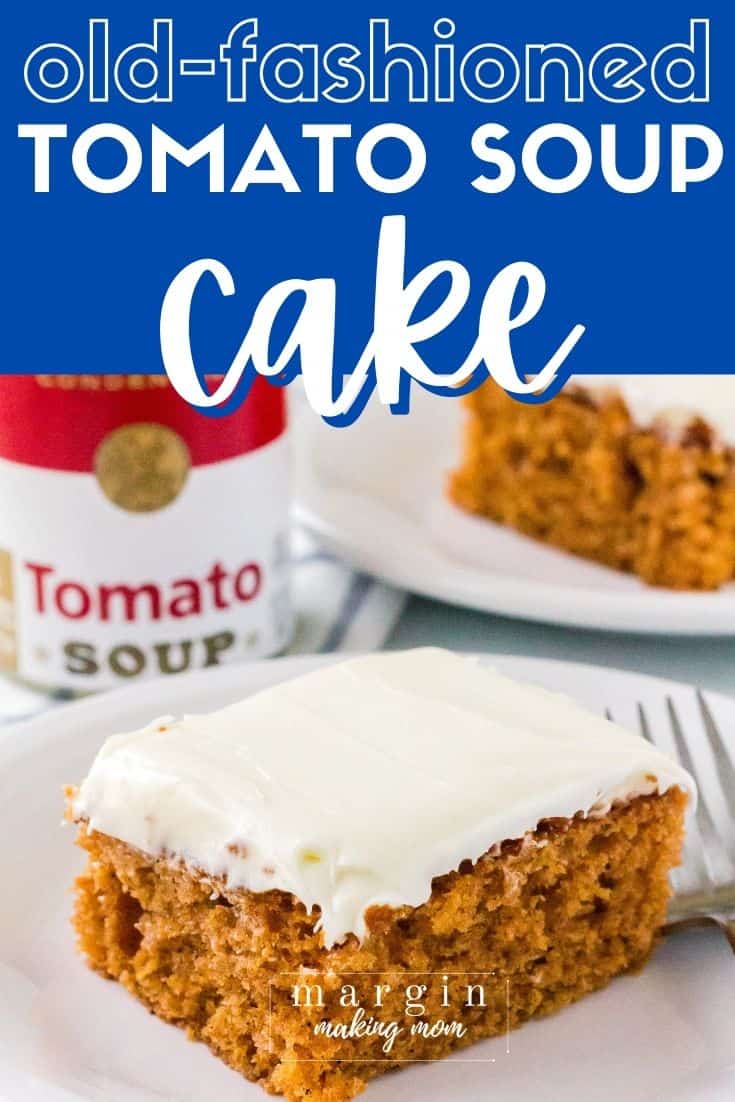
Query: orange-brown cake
(374, 864)
(637, 472)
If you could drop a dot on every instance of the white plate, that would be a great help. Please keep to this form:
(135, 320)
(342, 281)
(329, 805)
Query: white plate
(65, 1034)
(374, 493)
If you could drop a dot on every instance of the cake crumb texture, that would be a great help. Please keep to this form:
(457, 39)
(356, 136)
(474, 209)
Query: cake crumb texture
(578, 473)
(554, 916)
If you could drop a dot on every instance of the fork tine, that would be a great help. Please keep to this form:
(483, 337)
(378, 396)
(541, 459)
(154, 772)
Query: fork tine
(714, 852)
(693, 874)
(609, 715)
(644, 724)
(725, 769)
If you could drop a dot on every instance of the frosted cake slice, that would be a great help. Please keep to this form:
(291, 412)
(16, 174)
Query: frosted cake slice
(408, 818)
(634, 471)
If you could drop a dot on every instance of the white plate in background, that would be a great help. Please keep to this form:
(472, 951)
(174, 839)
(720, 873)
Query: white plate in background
(666, 1035)
(374, 493)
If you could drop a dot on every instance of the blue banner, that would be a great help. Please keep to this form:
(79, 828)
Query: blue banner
(573, 156)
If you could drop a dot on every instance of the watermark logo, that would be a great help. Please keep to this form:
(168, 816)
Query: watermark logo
(390, 1017)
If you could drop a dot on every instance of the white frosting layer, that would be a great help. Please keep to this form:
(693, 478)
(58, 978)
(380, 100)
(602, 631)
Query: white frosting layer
(674, 399)
(359, 783)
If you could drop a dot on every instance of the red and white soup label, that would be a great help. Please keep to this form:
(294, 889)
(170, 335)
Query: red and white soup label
(138, 537)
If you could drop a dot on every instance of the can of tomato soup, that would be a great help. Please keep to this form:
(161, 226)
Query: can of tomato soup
(138, 537)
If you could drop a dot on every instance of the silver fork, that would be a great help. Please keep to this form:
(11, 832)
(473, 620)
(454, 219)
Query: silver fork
(704, 886)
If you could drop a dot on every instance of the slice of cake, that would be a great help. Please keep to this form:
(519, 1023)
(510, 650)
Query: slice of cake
(637, 472)
(376, 863)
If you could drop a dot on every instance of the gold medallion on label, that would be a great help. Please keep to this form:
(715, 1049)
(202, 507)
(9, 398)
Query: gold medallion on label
(142, 467)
